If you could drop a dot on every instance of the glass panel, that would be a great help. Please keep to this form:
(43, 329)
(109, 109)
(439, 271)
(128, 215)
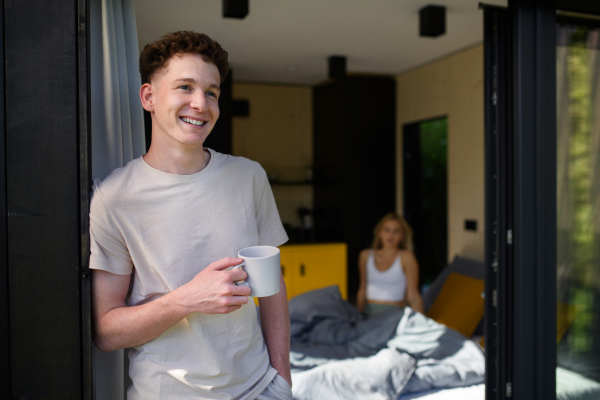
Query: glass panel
(578, 172)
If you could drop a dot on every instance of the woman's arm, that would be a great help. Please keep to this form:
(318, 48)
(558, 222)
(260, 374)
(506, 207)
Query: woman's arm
(411, 269)
(361, 296)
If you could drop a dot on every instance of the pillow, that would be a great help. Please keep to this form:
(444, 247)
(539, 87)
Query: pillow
(459, 304)
(463, 266)
(565, 315)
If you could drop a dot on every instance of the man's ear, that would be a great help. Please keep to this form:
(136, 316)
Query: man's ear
(147, 97)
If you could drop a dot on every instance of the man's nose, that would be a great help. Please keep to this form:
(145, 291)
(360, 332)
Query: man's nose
(199, 101)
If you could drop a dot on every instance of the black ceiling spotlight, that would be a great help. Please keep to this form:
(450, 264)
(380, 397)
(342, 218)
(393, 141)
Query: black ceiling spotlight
(432, 21)
(235, 8)
(337, 67)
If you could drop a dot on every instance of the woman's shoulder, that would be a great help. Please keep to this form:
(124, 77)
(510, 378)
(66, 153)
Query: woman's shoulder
(365, 253)
(363, 256)
(407, 256)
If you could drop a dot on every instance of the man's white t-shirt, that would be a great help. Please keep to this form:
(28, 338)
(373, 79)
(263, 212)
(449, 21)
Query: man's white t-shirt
(165, 229)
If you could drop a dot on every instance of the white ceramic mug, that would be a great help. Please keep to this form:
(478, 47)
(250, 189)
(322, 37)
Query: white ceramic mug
(263, 266)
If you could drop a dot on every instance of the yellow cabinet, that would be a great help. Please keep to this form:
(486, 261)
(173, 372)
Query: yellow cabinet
(308, 267)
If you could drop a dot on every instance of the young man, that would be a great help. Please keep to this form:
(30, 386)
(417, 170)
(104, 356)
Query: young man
(165, 227)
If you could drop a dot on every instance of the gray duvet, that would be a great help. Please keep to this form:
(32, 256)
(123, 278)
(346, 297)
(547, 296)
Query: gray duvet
(338, 354)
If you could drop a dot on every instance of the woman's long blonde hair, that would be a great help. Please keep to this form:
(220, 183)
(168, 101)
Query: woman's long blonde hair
(406, 243)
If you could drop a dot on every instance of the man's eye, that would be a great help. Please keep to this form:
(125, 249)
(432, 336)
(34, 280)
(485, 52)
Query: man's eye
(185, 87)
(213, 94)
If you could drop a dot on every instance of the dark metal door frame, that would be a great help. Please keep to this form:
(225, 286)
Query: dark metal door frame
(499, 210)
(520, 65)
(85, 181)
(534, 234)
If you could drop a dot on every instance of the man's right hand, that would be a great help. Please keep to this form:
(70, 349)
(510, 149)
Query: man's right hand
(213, 290)
(117, 325)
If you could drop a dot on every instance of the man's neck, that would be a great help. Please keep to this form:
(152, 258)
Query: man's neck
(175, 161)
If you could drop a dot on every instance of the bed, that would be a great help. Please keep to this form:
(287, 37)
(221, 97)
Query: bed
(337, 353)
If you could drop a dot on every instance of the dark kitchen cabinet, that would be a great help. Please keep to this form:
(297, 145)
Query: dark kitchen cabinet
(354, 162)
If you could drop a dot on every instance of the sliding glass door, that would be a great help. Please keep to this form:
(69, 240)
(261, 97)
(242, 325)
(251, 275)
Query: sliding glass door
(578, 204)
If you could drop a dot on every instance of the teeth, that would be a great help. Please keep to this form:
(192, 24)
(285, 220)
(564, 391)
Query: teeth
(193, 121)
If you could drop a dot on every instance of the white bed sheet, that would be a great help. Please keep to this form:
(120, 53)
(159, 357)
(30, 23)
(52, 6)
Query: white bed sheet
(570, 385)
(474, 392)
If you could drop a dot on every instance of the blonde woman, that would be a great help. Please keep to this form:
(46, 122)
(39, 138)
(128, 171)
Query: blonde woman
(389, 272)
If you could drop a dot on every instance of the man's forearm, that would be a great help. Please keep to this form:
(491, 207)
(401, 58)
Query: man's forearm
(117, 326)
(275, 321)
(131, 326)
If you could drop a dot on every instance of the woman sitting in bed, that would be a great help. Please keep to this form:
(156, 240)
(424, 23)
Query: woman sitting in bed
(389, 272)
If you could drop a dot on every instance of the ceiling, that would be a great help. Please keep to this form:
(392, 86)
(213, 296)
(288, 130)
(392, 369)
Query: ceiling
(289, 41)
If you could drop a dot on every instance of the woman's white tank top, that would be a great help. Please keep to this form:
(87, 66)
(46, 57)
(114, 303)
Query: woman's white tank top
(389, 285)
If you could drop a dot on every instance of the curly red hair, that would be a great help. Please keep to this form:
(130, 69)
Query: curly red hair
(155, 55)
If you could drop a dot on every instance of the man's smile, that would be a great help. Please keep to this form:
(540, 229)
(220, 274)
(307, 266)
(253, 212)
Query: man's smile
(191, 121)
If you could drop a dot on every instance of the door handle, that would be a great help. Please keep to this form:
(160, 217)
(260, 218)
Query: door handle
(302, 272)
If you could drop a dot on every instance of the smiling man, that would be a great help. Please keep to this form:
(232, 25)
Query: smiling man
(165, 227)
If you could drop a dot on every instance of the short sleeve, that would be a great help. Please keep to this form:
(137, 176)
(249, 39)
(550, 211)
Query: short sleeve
(108, 251)
(270, 228)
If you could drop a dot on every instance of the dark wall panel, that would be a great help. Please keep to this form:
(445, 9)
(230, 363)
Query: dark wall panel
(354, 162)
(42, 158)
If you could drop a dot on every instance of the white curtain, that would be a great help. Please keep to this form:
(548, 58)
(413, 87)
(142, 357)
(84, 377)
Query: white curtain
(117, 131)
(117, 114)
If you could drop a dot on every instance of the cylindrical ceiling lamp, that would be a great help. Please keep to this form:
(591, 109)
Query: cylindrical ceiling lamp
(432, 21)
(235, 8)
